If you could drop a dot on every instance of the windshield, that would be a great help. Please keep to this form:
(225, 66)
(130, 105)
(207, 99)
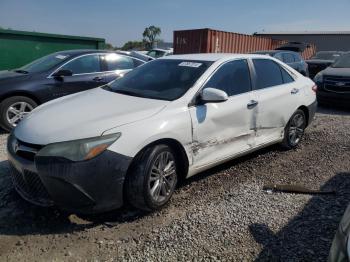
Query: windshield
(326, 56)
(343, 61)
(164, 79)
(44, 63)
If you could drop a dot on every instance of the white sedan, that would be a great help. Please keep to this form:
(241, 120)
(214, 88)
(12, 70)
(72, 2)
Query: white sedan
(133, 139)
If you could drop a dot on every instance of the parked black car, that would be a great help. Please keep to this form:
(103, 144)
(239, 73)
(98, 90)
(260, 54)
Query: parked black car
(56, 75)
(291, 58)
(321, 61)
(333, 83)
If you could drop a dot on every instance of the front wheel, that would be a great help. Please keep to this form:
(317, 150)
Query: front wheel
(153, 178)
(14, 109)
(294, 130)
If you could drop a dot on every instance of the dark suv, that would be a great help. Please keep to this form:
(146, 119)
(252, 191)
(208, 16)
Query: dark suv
(321, 61)
(56, 75)
(333, 83)
(291, 58)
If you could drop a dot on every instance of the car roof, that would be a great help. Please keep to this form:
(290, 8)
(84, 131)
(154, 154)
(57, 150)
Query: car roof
(274, 52)
(83, 51)
(267, 52)
(78, 52)
(212, 56)
(330, 52)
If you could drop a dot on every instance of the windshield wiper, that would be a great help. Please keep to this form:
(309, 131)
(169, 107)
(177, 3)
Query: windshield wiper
(21, 71)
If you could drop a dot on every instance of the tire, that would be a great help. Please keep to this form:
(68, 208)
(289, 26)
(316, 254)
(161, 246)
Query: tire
(143, 177)
(22, 105)
(297, 123)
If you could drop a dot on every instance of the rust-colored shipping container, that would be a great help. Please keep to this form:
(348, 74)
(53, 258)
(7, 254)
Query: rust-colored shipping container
(214, 41)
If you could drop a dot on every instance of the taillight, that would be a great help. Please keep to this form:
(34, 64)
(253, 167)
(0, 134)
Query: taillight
(314, 88)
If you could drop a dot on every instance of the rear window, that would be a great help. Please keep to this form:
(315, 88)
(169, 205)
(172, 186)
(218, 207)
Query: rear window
(288, 58)
(297, 57)
(118, 62)
(269, 73)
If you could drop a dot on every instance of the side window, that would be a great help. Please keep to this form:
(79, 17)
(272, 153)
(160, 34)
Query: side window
(288, 58)
(233, 78)
(268, 73)
(84, 64)
(118, 62)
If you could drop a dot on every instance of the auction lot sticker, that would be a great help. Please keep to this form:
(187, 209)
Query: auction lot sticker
(190, 64)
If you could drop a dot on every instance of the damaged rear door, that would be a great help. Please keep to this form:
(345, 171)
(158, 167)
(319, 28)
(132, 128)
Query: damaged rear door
(278, 96)
(222, 129)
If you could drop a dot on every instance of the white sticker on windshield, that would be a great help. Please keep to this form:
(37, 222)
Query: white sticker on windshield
(190, 64)
(61, 56)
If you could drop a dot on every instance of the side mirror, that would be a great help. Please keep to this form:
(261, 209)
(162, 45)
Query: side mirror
(62, 73)
(213, 95)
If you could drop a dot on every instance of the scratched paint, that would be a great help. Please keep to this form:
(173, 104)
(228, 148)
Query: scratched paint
(197, 146)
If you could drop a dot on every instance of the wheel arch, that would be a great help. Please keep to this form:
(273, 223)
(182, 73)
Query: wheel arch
(306, 112)
(179, 150)
(20, 93)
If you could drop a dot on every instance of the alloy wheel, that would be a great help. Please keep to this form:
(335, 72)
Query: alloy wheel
(163, 177)
(296, 129)
(17, 111)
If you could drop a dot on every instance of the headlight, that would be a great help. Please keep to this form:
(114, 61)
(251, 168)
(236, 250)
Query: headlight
(318, 78)
(79, 150)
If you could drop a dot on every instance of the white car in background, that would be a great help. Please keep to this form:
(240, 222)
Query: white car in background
(166, 120)
(158, 53)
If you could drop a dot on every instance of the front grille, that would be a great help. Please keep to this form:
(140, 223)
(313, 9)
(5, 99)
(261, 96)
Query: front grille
(26, 150)
(337, 84)
(30, 186)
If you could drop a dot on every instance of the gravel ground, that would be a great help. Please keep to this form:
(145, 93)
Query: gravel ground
(222, 214)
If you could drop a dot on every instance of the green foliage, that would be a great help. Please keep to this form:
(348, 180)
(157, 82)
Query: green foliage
(150, 35)
(133, 45)
(109, 46)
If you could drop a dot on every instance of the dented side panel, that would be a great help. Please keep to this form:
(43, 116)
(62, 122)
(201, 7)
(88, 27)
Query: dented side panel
(221, 129)
(276, 106)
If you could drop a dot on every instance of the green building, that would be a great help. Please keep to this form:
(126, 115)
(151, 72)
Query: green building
(18, 48)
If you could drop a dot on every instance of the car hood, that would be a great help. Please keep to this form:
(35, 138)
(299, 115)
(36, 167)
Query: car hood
(319, 61)
(332, 71)
(83, 115)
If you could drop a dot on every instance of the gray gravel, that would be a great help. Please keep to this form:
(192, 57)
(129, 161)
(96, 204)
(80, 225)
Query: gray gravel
(222, 214)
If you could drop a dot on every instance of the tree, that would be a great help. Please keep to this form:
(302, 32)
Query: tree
(109, 46)
(150, 35)
(132, 45)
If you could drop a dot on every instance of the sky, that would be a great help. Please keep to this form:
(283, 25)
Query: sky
(120, 21)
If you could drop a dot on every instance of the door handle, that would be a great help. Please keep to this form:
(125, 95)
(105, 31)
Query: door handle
(97, 79)
(252, 104)
(294, 91)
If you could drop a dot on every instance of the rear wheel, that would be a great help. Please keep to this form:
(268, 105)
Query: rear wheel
(294, 130)
(153, 178)
(14, 109)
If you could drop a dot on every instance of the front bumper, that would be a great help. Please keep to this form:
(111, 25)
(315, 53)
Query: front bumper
(90, 186)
